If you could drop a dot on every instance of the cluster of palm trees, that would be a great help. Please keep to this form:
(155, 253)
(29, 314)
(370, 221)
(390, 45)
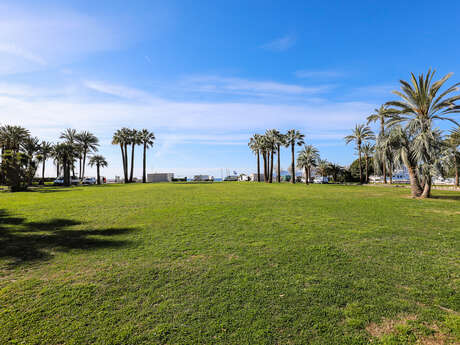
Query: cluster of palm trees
(22, 153)
(126, 137)
(268, 144)
(408, 136)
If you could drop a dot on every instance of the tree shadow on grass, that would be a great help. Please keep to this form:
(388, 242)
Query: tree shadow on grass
(447, 197)
(24, 242)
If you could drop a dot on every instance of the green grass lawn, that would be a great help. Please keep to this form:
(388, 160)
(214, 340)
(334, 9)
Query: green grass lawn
(229, 263)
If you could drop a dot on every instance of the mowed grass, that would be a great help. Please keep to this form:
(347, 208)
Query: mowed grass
(229, 263)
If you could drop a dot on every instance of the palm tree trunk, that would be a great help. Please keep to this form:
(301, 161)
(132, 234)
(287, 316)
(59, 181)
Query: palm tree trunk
(382, 133)
(306, 175)
(384, 173)
(360, 167)
(266, 163)
(427, 189)
(367, 169)
(79, 167)
(278, 178)
(58, 169)
(416, 190)
(126, 163)
(293, 164)
(144, 179)
(271, 167)
(456, 169)
(258, 166)
(84, 165)
(132, 163)
(98, 174)
(43, 170)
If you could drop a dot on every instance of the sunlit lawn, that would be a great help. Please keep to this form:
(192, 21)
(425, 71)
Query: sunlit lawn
(228, 263)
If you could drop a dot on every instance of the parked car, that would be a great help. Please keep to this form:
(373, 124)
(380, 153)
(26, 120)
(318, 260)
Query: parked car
(60, 181)
(89, 180)
(321, 180)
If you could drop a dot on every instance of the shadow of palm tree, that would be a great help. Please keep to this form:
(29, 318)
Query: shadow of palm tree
(447, 197)
(22, 242)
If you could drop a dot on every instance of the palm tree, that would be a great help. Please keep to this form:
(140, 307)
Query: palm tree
(294, 137)
(70, 136)
(66, 154)
(255, 144)
(307, 159)
(45, 150)
(120, 138)
(453, 142)
(31, 146)
(272, 136)
(277, 140)
(323, 167)
(421, 104)
(147, 139)
(335, 170)
(11, 138)
(88, 142)
(368, 152)
(100, 162)
(380, 115)
(134, 140)
(360, 134)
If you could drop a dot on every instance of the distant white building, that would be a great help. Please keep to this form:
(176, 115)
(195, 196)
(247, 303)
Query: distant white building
(231, 178)
(253, 177)
(202, 178)
(160, 177)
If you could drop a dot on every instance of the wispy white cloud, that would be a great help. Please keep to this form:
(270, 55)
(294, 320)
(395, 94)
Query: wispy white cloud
(116, 90)
(240, 86)
(35, 37)
(324, 74)
(280, 44)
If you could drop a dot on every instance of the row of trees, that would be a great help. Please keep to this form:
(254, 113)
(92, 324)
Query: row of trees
(407, 134)
(126, 137)
(268, 144)
(22, 154)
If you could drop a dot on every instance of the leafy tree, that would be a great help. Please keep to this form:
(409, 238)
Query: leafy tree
(147, 139)
(452, 143)
(360, 134)
(100, 162)
(293, 137)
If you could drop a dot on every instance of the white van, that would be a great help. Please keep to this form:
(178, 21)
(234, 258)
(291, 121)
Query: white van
(60, 181)
(321, 180)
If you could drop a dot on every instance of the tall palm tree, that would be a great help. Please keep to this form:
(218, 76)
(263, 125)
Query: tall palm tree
(294, 137)
(133, 140)
(88, 143)
(307, 159)
(120, 138)
(272, 136)
(70, 136)
(66, 154)
(100, 162)
(360, 134)
(380, 115)
(147, 139)
(278, 140)
(31, 147)
(255, 144)
(368, 152)
(45, 150)
(421, 104)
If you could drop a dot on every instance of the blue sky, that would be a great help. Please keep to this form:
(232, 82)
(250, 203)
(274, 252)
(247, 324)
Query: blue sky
(205, 75)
